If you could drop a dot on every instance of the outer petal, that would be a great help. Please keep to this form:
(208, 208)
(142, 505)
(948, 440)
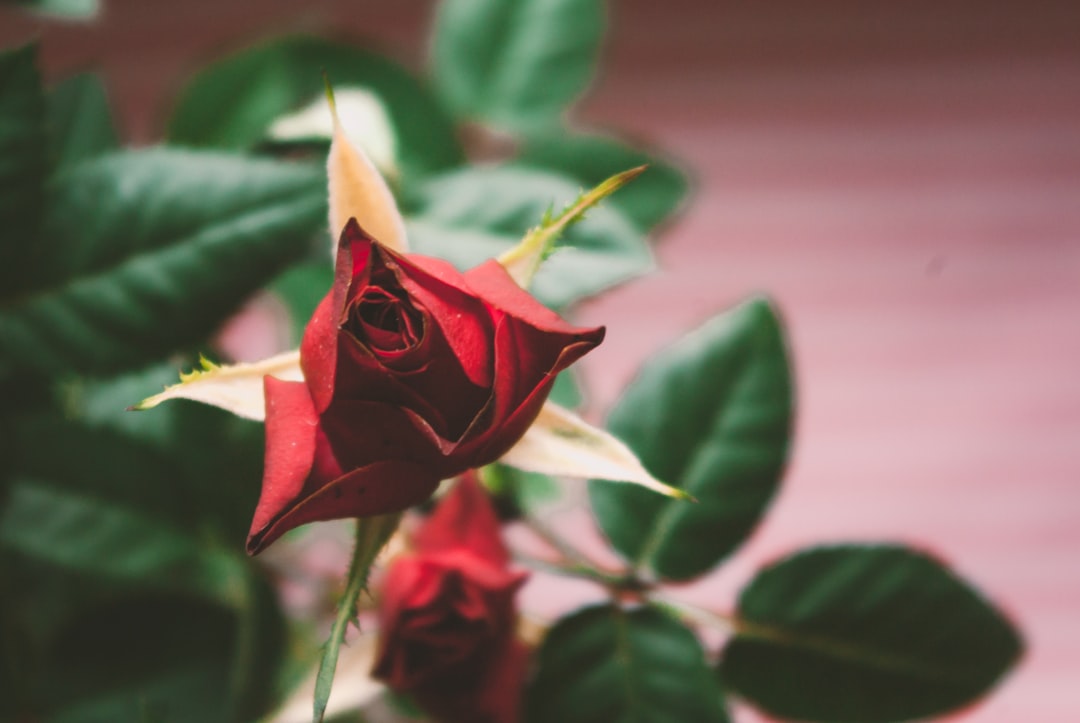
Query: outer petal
(291, 427)
(318, 352)
(379, 488)
(527, 360)
(465, 519)
(361, 432)
(490, 695)
(493, 284)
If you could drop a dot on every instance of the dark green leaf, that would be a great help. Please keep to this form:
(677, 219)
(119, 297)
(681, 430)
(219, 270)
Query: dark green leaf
(22, 168)
(515, 63)
(80, 533)
(166, 659)
(472, 215)
(710, 415)
(865, 633)
(301, 288)
(206, 462)
(70, 9)
(604, 664)
(80, 120)
(232, 103)
(590, 159)
(151, 251)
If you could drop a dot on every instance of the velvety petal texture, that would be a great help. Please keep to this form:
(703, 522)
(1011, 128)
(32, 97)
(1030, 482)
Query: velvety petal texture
(448, 616)
(413, 373)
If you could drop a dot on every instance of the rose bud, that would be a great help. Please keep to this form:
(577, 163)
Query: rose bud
(447, 616)
(413, 373)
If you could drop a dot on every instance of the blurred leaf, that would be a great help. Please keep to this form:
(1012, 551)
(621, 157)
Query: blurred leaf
(711, 415)
(80, 120)
(301, 288)
(515, 63)
(22, 168)
(152, 250)
(605, 664)
(233, 102)
(566, 392)
(212, 491)
(70, 9)
(474, 214)
(867, 634)
(94, 537)
(590, 159)
(169, 659)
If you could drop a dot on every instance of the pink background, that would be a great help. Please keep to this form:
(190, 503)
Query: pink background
(904, 178)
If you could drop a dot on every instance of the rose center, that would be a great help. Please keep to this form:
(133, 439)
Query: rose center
(384, 321)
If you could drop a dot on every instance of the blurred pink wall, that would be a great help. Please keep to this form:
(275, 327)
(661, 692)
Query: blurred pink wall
(903, 177)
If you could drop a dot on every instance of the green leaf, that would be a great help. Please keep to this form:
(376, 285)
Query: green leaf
(711, 415)
(589, 159)
(207, 463)
(566, 392)
(474, 214)
(515, 63)
(151, 251)
(69, 9)
(233, 102)
(80, 120)
(605, 664)
(301, 288)
(865, 633)
(93, 537)
(169, 659)
(22, 168)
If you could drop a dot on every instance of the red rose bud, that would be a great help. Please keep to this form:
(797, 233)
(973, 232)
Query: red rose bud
(413, 373)
(447, 616)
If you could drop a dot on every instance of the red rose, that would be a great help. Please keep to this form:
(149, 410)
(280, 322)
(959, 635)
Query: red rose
(413, 373)
(447, 616)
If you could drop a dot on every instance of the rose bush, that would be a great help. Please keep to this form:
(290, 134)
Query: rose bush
(447, 616)
(413, 373)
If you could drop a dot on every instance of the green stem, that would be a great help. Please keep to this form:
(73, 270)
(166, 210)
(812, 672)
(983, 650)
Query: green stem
(371, 534)
(246, 640)
(695, 614)
(570, 570)
(573, 563)
(523, 261)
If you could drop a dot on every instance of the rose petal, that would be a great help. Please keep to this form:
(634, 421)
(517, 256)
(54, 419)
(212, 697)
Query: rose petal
(465, 519)
(318, 353)
(291, 426)
(465, 322)
(361, 432)
(379, 488)
(490, 281)
(527, 360)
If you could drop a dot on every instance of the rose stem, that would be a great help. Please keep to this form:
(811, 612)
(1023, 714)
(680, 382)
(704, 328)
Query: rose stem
(573, 562)
(695, 614)
(371, 534)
